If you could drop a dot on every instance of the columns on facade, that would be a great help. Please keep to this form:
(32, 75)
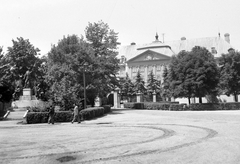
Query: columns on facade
(154, 69)
(130, 72)
(126, 69)
(146, 72)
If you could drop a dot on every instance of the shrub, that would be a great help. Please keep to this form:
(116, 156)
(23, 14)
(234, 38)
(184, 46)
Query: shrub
(90, 113)
(157, 106)
(129, 105)
(205, 106)
(66, 116)
(107, 108)
(231, 106)
(138, 105)
(176, 107)
(42, 117)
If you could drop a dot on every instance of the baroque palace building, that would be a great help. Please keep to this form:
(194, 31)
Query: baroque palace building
(154, 56)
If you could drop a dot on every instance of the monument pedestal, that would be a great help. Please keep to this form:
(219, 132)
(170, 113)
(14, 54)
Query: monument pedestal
(27, 94)
(28, 100)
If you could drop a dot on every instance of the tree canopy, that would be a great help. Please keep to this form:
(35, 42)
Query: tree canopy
(139, 83)
(127, 87)
(153, 85)
(74, 57)
(230, 74)
(22, 57)
(193, 74)
(104, 66)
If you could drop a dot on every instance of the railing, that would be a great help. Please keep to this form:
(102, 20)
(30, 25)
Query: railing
(6, 115)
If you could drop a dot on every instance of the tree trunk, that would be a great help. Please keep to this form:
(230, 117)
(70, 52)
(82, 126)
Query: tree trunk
(200, 99)
(235, 97)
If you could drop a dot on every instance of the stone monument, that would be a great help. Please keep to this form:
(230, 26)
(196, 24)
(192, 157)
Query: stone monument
(27, 99)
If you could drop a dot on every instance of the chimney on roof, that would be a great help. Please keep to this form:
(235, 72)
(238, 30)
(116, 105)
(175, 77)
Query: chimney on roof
(156, 36)
(227, 37)
(133, 43)
(183, 38)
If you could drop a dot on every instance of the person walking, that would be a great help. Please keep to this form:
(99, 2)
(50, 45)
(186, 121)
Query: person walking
(51, 115)
(76, 114)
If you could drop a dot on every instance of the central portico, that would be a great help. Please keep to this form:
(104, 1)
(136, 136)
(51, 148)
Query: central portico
(146, 58)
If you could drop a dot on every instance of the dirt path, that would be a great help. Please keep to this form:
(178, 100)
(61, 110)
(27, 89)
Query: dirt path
(127, 136)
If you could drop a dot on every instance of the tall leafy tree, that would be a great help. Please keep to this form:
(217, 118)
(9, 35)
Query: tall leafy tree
(230, 74)
(181, 75)
(74, 58)
(22, 57)
(104, 68)
(166, 92)
(193, 74)
(206, 72)
(65, 70)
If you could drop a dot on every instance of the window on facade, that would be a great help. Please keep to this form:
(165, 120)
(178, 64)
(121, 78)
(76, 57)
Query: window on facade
(159, 67)
(142, 68)
(159, 77)
(150, 68)
(213, 50)
(135, 69)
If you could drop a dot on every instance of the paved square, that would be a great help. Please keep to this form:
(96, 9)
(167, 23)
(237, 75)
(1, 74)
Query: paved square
(127, 136)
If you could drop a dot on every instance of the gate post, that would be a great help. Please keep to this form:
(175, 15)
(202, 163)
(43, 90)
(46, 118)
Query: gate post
(116, 98)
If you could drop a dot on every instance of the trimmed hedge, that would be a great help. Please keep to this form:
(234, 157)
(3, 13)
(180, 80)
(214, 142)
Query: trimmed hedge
(129, 105)
(215, 106)
(183, 107)
(155, 106)
(205, 107)
(67, 116)
(231, 106)
(177, 107)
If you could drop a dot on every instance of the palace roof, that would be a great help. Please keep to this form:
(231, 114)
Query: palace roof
(216, 45)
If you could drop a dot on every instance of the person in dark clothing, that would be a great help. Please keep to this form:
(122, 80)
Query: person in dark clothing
(51, 115)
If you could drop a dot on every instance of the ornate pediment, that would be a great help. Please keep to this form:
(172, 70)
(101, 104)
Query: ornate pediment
(151, 56)
(148, 56)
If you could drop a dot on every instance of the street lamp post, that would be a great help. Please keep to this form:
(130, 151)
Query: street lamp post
(84, 85)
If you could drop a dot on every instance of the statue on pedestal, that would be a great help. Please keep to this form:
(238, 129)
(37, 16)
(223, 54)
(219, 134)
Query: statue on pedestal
(27, 79)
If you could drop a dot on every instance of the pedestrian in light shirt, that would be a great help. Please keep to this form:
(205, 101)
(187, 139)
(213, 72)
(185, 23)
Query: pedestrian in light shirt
(76, 114)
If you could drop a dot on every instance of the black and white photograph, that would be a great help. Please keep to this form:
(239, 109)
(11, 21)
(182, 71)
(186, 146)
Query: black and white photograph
(119, 82)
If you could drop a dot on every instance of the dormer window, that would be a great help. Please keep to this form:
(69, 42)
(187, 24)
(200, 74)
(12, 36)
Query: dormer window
(123, 59)
(213, 50)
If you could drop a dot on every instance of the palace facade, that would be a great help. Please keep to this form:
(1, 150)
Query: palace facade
(154, 56)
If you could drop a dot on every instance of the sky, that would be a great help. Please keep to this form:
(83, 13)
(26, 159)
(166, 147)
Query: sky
(45, 22)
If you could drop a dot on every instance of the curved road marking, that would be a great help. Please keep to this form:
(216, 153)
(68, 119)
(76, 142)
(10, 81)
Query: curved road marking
(211, 133)
(166, 133)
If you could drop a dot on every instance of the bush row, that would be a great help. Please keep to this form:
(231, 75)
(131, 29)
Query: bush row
(183, 107)
(155, 106)
(215, 106)
(67, 116)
